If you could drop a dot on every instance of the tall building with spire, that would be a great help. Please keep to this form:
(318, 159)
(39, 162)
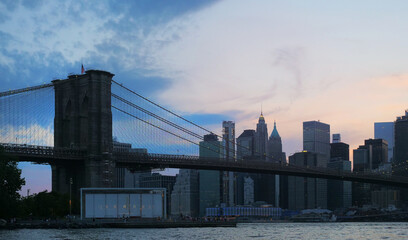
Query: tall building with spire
(265, 185)
(275, 153)
(261, 138)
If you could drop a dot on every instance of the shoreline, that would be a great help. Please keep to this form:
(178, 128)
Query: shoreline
(85, 224)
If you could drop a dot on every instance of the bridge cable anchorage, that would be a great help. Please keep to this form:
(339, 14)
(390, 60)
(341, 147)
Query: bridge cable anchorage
(178, 116)
(196, 135)
(160, 128)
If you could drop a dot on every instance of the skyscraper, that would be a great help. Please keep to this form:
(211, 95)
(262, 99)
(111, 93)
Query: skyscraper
(338, 149)
(367, 158)
(228, 142)
(307, 193)
(339, 192)
(275, 153)
(377, 152)
(371, 155)
(261, 138)
(264, 184)
(316, 137)
(124, 178)
(210, 181)
(336, 138)
(385, 130)
(400, 164)
(184, 197)
(360, 160)
(316, 146)
(245, 181)
(156, 180)
(246, 145)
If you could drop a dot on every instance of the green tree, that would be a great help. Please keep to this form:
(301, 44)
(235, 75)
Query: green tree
(10, 184)
(47, 204)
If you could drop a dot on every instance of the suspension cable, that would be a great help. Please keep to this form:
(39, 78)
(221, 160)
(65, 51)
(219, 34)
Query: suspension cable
(196, 135)
(28, 89)
(160, 128)
(175, 114)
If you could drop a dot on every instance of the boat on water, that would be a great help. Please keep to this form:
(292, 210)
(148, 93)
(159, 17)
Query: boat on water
(315, 215)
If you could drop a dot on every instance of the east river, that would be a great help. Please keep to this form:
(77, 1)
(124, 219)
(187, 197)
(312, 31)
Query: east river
(256, 231)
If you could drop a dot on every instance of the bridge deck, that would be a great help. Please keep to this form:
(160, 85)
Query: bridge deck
(137, 160)
(49, 155)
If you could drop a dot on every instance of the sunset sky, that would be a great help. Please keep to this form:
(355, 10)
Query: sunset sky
(341, 62)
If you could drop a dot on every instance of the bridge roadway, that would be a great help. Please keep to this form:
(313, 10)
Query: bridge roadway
(48, 155)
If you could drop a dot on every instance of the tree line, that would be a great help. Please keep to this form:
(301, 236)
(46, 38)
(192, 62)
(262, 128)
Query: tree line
(42, 205)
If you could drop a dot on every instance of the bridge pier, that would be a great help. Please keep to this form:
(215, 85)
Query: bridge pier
(61, 175)
(99, 171)
(83, 121)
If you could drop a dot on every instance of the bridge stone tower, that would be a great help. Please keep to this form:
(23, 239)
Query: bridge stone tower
(83, 121)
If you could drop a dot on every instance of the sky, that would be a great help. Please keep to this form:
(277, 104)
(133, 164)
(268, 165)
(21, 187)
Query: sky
(340, 62)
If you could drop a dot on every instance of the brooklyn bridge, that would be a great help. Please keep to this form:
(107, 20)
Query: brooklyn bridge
(71, 125)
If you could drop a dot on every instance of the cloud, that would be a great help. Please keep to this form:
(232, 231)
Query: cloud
(291, 62)
(290, 59)
(51, 40)
(332, 62)
(33, 134)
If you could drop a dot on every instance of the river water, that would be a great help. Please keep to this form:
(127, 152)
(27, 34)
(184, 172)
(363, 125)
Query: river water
(257, 231)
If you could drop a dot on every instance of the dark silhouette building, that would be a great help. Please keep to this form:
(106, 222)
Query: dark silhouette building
(339, 193)
(368, 158)
(377, 150)
(246, 145)
(400, 163)
(210, 181)
(229, 178)
(261, 138)
(385, 130)
(338, 151)
(156, 180)
(303, 192)
(316, 137)
(275, 153)
(185, 194)
(245, 152)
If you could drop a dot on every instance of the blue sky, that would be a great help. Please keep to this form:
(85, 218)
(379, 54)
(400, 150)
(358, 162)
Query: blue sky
(341, 62)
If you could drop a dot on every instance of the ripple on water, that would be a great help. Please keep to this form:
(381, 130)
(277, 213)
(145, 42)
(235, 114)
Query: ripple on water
(335, 231)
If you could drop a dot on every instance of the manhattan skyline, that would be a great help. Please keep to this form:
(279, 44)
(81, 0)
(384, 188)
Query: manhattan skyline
(341, 63)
